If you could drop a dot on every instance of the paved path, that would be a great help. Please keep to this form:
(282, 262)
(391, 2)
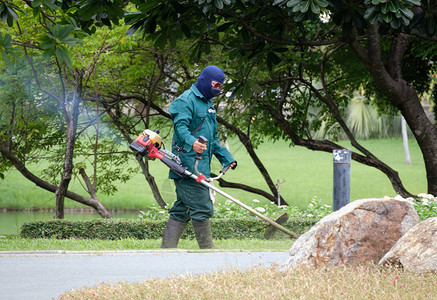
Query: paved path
(47, 274)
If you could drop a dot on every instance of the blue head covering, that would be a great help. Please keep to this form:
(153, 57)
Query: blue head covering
(203, 83)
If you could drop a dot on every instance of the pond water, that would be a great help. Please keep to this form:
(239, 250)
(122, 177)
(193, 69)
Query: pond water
(11, 221)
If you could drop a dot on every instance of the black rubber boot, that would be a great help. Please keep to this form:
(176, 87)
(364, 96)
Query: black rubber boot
(203, 235)
(172, 233)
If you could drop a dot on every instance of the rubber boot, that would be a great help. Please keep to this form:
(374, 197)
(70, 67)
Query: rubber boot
(203, 234)
(172, 233)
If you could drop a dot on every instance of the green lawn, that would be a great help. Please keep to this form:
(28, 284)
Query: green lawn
(15, 243)
(307, 174)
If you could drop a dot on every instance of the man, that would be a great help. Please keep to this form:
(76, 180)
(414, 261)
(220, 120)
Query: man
(193, 116)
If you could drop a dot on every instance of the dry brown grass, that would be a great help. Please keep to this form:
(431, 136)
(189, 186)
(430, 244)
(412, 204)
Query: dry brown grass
(363, 282)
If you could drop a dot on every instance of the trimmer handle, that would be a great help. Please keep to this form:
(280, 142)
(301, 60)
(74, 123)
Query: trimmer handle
(201, 140)
(198, 156)
(223, 171)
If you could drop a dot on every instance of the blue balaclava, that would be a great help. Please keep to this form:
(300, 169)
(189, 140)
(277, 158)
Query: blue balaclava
(203, 83)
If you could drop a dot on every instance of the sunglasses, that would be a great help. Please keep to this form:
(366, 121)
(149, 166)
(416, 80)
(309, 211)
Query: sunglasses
(216, 84)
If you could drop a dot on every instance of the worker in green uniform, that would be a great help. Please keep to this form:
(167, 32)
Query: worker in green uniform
(193, 116)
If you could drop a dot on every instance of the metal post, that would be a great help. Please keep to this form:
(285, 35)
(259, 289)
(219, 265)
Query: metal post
(342, 174)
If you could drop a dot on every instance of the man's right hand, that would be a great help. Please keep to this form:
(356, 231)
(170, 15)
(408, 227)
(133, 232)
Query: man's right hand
(199, 147)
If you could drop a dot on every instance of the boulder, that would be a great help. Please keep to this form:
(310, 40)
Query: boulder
(417, 250)
(362, 231)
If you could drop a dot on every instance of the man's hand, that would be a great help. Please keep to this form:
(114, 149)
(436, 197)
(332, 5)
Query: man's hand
(199, 147)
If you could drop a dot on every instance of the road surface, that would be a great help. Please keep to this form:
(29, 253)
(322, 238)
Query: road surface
(48, 274)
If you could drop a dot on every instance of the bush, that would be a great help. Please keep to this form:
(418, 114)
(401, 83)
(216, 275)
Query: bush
(426, 206)
(112, 229)
(115, 229)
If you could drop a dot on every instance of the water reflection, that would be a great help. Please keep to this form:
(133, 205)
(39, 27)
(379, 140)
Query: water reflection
(10, 222)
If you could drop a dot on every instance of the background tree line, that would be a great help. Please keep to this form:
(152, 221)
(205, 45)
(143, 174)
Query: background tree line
(81, 78)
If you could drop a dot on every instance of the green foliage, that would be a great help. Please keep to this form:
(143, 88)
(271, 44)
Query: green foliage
(6, 49)
(304, 10)
(96, 229)
(243, 228)
(56, 40)
(426, 19)
(396, 13)
(426, 206)
(87, 14)
(8, 12)
(229, 210)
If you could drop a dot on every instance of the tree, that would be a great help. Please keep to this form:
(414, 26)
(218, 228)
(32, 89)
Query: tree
(382, 37)
(43, 119)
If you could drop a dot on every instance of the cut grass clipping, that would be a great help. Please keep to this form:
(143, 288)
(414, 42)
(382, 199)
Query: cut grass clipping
(363, 282)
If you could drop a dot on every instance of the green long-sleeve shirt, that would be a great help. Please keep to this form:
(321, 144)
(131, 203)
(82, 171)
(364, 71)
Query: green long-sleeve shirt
(187, 112)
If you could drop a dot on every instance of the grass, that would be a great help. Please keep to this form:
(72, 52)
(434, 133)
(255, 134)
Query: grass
(362, 282)
(15, 243)
(307, 174)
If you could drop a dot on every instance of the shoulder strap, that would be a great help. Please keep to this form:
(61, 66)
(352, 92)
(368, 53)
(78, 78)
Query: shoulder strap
(198, 127)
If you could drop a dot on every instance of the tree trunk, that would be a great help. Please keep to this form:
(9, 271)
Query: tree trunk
(71, 115)
(388, 78)
(144, 165)
(426, 135)
(93, 193)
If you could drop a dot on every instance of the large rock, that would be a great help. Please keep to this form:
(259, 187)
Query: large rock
(361, 231)
(417, 249)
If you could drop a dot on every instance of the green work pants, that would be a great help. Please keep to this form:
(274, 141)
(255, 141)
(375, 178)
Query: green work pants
(192, 201)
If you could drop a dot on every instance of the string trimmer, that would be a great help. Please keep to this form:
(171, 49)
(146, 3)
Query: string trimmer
(149, 144)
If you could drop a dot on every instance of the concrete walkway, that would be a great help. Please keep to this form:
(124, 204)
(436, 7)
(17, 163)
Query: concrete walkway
(47, 274)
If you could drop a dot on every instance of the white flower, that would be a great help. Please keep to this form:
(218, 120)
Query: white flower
(255, 200)
(310, 215)
(324, 17)
(260, 209)
(162, 212)
(399, 197)
(426, 196)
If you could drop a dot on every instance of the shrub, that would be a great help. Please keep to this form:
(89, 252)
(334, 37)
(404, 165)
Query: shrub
(111, 229)
(230, 210)
(424, 204)
(114, 229)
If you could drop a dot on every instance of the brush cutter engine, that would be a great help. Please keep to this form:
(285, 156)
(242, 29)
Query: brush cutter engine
(148, 144)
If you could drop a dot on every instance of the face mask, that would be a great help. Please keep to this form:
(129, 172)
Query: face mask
(215, 91)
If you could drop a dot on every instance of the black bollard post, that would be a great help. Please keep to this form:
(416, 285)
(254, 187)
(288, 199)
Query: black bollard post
(342, 175)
